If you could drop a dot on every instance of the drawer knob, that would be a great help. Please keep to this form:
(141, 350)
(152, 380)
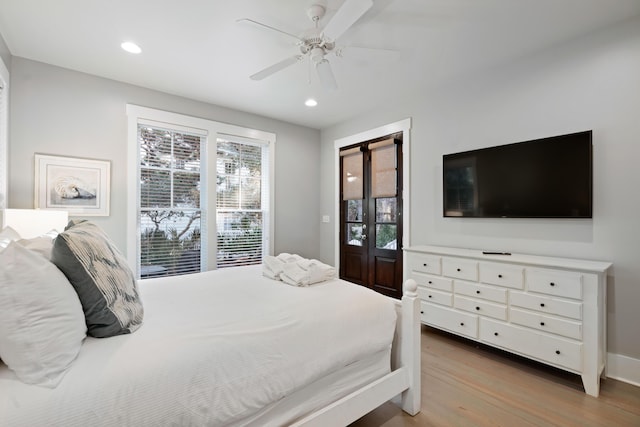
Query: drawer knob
(477, 292)
(477, 308)
(499, 276)
(429, 296)
(430, 282)
(541, 304)
(421, 312)
(457, 269)
(541, 323)
(495, 333)
(552, 284)
(461, 323)
(557, 351)
(424, 265)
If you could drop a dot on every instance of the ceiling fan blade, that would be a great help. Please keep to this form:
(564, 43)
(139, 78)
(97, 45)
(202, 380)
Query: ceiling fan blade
(345, 17)
(325, 74)
(251, 21)
(276, 67)
(367, 53)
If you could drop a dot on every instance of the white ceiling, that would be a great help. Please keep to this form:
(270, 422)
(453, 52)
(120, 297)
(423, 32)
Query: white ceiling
(196, 49)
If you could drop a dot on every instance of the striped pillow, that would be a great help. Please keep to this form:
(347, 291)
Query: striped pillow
(102, 278)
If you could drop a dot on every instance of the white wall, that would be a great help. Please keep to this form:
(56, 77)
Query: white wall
(590, 83)
(5, 55)
(62, 112)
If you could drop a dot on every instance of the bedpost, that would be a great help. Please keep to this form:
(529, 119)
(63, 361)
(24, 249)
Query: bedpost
(410, 346)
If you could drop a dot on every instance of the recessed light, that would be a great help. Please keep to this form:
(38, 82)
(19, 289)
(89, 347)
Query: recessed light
(310, 102)
(131, 47)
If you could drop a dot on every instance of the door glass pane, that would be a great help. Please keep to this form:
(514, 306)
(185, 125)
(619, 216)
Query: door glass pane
(386, 236)
(383, 171)
(352, 184)
(354, 210)
(354, 234)
(386, 209)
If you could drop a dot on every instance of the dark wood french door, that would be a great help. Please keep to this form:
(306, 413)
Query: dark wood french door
(371, 214)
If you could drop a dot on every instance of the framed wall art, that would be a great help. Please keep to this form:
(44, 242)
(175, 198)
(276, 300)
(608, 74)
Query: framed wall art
(76, 185)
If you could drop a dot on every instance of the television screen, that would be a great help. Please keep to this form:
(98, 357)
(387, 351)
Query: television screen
(543, 178)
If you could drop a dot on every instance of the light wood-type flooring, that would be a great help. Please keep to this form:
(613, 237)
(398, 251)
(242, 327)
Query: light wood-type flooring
(468, 384)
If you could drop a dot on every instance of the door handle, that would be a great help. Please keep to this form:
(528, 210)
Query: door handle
(364, 237)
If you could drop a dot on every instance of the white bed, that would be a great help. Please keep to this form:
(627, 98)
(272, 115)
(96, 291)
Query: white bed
(231, 347)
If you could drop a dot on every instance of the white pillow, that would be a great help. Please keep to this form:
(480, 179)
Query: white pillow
(8, 235)
(41, 244)
(41, 320)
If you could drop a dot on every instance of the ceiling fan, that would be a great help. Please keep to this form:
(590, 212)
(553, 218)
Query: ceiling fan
(317, 43)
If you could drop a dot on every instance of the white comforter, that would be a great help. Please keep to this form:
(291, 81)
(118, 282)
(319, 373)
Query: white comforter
(214, 349)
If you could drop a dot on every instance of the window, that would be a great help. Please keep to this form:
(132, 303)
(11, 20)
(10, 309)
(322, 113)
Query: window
(177, 223)
(169, 212)
(239, 201)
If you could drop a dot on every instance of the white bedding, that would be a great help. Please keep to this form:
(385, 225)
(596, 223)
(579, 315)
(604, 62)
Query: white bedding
(214, 349)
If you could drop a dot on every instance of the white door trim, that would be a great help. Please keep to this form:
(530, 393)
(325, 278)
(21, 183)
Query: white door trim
(403, 126)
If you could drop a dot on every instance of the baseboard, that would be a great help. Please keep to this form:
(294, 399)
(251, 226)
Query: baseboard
(623, 368)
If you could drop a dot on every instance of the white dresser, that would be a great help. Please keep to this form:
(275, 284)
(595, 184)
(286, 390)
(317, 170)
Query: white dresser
(552, 310)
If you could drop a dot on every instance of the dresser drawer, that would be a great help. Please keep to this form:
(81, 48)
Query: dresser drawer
(460, 268)
(554, 350)
(449, 319)
(483, 308)
(433, 282)
(531, 319)
(477, 290)
(437, 297)
(547, 305)
(424, 263)
(555, 282)
(511, 276)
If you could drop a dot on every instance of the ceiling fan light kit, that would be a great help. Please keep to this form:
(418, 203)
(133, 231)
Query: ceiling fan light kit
(317, 44)
(325, 74)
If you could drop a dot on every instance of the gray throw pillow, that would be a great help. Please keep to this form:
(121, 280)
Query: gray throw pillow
(101, 277)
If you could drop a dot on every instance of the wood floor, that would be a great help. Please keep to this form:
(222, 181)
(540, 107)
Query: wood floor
(467, 384)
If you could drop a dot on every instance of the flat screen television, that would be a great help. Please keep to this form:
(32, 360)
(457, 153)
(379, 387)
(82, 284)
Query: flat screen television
(544, 178)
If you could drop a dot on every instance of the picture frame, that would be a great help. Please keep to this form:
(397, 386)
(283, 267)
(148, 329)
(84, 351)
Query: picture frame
(77, 185)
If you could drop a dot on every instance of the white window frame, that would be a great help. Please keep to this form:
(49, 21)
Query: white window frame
(4, 135)
(211, 129)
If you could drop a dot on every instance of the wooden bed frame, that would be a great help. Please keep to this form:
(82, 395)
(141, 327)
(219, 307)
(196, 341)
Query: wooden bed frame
(402, 384)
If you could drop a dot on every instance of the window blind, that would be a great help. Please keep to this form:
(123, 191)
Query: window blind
(241, 201)
(170, 217)
(352, 174)
(383, 168)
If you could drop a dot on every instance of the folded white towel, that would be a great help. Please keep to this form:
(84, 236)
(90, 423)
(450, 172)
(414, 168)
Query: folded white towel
(286, 257)
(272, 267)
(306, 272)
(304, 263)
(318, 271)
(296, 270)
(293, 274)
